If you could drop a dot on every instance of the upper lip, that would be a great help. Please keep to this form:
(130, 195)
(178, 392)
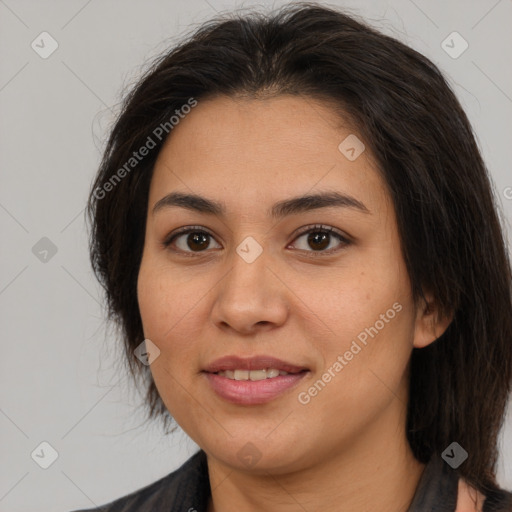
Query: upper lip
(251, 363)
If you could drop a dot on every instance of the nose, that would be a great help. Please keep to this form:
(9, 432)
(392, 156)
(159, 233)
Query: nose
(250, 297)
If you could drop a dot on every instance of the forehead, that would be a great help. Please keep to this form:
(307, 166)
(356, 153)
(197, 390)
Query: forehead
(251, 149)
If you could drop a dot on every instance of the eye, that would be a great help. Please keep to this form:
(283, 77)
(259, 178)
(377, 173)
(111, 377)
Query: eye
(197, 239)
(320, 237)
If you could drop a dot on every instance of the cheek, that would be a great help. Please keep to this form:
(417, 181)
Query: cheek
(364, 367)
(368, 319)
(152, 297)
(351, 299)
(171, 310)
(169, 317)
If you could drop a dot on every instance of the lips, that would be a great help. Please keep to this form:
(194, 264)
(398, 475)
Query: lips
(233, 363)
(238, 380)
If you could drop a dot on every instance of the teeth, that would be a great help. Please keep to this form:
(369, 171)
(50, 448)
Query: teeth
(257, 375)
(242, 374)
(266, 373)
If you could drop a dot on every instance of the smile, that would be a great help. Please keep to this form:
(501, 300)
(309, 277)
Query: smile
(254, 375)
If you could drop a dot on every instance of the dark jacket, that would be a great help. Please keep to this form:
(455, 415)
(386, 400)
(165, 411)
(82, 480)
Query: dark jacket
(188, 490)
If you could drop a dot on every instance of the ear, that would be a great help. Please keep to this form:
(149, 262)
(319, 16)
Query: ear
(429, 324)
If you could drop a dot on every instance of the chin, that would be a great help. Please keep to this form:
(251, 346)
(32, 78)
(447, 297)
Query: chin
(259, 457)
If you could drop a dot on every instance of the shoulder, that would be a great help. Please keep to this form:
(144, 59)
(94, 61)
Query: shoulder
(172, 492)
(471, 500)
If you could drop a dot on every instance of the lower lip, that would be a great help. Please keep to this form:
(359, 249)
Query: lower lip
(252, 392)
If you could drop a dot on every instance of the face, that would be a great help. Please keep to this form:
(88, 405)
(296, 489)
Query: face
(319, 285)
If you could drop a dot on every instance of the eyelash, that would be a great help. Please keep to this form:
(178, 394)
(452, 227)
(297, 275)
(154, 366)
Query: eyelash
(317, 228)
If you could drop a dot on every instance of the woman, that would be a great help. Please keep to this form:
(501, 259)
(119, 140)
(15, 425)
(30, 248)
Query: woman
(309, 272)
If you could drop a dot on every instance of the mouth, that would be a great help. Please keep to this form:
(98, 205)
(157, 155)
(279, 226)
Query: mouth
(252, 381)
(253, 375)
(252, 364)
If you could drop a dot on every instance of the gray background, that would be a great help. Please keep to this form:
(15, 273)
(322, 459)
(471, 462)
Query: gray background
(60, 374)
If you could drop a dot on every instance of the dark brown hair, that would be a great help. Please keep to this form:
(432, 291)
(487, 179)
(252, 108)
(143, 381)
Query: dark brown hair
(425, 149)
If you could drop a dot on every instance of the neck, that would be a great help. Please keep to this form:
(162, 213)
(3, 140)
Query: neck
(377, 471)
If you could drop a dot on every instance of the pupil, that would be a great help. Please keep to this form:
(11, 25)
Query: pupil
(198, 238)
(313, 238)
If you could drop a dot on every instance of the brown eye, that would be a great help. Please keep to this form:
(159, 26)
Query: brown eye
(197, 240)
(319, 238)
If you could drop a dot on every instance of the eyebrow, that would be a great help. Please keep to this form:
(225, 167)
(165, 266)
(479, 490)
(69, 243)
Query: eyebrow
(280, 209)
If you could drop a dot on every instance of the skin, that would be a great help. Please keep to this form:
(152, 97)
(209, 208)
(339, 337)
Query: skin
(469, 499)
(347, 446)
